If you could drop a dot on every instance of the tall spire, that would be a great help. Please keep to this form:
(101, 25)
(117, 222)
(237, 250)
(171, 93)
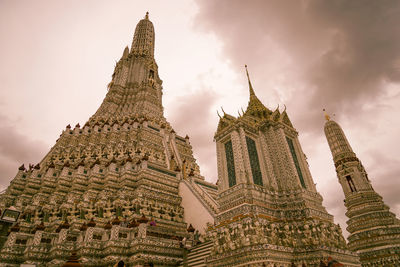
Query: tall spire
(126, 153)
(135, 89)
(250, 86)
(255, 107)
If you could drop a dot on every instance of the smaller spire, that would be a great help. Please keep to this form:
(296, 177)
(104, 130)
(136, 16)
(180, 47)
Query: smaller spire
(250, 86)
(126, 52)
(327, 117)
(223, 110)
(147, 15)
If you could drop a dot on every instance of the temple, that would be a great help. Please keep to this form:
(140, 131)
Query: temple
(269, 209)
(125, 189)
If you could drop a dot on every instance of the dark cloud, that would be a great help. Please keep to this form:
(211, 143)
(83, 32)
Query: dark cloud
(15, 149)
(363, 53)
(332, 54)
(384, 175)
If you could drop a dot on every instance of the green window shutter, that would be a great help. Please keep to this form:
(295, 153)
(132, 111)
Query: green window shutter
(296, 162)
(254, 163)
(230, 163)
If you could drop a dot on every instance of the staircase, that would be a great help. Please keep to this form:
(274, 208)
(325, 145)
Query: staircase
(197, 255)
(209, 203)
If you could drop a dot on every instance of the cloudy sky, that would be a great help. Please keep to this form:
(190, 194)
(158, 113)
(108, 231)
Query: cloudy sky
(58, 56)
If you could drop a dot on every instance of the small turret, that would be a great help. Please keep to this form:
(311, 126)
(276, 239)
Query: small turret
(351, 173)
(369, 217)
(337, 141)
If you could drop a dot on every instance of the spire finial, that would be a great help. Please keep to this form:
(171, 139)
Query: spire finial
(248, 78)
(147, 15)
(327, 117)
